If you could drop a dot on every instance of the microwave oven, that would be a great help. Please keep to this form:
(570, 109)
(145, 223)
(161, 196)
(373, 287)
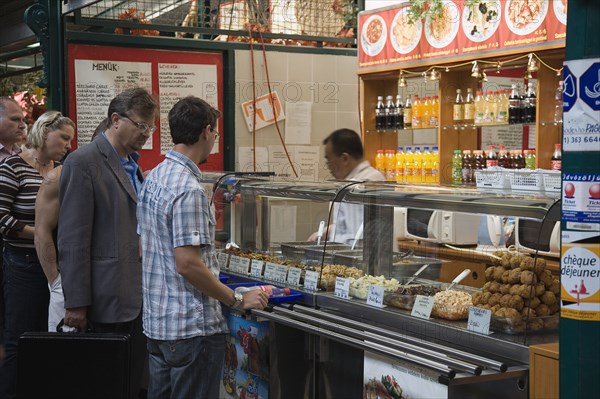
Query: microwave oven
(454, 228)
(533, 236)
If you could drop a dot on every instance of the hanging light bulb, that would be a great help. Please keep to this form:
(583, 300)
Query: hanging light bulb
(435, 75)
(424, 74)
(559, 72)
(402, 81)
(475, 71)
(532, 64)
(498, 67)
(528, 75)
(484, 77)
(447, 69)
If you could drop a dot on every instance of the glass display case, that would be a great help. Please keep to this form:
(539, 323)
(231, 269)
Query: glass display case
(375, 237)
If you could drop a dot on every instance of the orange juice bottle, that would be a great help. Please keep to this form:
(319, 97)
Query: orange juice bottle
(408, 165)
(426, 166)
(417, 165)
(426, 112)
(380, 161)
(435, 111)
(400, 165)
(390, 165)
(417, 112)
(435, 164)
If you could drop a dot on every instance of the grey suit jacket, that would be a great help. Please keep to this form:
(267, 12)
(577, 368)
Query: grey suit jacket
(98, 244)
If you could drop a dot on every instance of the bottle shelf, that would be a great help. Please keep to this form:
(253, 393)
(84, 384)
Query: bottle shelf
(476, 125)
(400, 130)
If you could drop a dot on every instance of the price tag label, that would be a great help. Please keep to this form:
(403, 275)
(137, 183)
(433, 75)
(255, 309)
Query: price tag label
(293, 276)
(223, 258)
(342, 287)
(256, 268)
(479, 320)
(311, 280)
(238, 264)
(422, 307)
(270, 270)
(375, 296)
(280, 273)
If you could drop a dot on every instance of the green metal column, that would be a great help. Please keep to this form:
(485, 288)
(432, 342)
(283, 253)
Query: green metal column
(580, 340)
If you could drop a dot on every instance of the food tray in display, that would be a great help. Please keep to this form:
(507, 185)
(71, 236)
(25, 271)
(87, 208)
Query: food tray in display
(404, 297)
(406, 267)
(552, 181)
(292, 297)
(539, 324)
(453, 312)
(315, 252)
(494, 177)
(526, 180)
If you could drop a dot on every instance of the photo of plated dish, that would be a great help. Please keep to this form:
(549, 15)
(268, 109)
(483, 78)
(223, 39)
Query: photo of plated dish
(525, 16)
(440, 31)
(373, 35)
(560, 10)
(404, 36)
(480, 20)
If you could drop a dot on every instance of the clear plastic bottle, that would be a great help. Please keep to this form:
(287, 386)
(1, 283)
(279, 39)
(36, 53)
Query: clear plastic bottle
(502, 115)
(457, 167)
(479, 107)
(530, 104)
(469, 116)
(488, 107)
(514, 105)
(529, 159)
(435, 164)
(269, 289)
(408, 113)
(399, 113)
(556, 160)
(380, 161)
(400, 165)
(380, 114)
(558, 103)
(458, 109)
(491, 159)
(467, 167)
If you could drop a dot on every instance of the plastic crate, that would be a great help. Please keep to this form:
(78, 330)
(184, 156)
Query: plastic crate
(494, 177)
(526, 180)
(552, 181)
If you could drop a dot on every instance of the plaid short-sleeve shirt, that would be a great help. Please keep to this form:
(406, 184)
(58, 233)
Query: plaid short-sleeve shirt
(174, 211)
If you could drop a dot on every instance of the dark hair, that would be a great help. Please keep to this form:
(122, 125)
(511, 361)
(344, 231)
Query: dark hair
(5, 100)
(188, 117)
(133, 101)
(345, 140)
(103, 126)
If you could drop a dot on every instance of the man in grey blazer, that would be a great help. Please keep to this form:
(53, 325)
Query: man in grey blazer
(98, 245)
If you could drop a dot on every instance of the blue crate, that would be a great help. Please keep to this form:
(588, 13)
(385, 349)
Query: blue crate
(294, 295)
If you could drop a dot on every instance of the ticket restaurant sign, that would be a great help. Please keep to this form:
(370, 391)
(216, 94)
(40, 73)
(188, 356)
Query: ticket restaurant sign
(465, 29)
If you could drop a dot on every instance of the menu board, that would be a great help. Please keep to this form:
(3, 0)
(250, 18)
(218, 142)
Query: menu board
(464, 29)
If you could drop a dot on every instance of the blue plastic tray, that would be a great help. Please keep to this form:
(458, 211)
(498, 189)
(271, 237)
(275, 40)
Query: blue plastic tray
(294, 295)
(224, 277)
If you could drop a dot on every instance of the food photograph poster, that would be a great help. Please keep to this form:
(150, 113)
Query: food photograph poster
(463, 28)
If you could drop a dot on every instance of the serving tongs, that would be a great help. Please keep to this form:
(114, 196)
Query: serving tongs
(320, 232)
(458, 279)
(412, 278)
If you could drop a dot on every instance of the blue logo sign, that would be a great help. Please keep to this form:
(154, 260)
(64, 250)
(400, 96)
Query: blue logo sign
(569, 89)
(589, 86)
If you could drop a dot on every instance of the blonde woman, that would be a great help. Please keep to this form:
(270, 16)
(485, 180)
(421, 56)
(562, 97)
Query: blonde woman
(25, 285)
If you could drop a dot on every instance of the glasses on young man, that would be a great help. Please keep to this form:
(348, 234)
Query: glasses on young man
(144, 127)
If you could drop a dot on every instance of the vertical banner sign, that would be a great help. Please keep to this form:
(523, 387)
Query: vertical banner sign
(581, 105)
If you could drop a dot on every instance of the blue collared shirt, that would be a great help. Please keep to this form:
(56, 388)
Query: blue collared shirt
(130, 164)
(173, 211)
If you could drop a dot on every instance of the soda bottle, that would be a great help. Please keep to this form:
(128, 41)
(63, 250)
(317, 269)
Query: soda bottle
(556, 160)
(469, 117)
(492, 158)
(399, 113)
(380, 161)
(530, 104)
(529, 159)
(390, 113)
(407, 113)
(416, 113)
(457, 167)
(400, 165)
(503, 159)
(478, 159)
(458, 109)
(502, 115)
(380, 114)
(514, 105)
(467, 167)
(435, 164)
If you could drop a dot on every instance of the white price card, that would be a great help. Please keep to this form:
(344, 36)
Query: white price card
(223, 258)
(422, 307)
(342, 287)
(270, 270)
(311, 280)
(256, 268)
(479, 320)
(375, 296)
(293, 276)
(280, 273)
(238, 264)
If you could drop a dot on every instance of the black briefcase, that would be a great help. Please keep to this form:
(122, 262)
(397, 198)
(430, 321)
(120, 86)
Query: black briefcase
(73, 365)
